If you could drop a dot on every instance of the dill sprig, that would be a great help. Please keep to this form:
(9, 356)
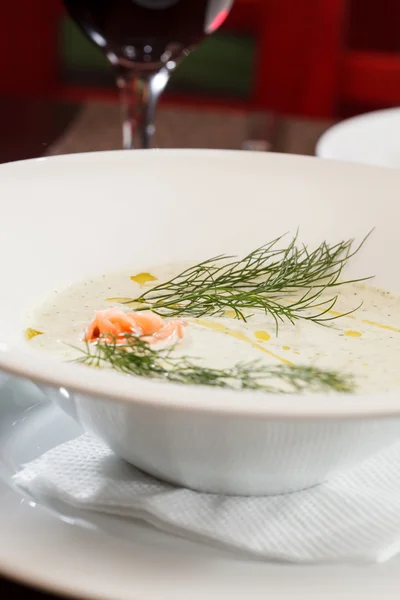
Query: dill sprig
(287, 283)
(136, 357)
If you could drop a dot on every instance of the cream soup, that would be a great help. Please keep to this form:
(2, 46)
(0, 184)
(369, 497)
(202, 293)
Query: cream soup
(364, 344)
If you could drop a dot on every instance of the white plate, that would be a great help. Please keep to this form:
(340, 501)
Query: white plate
(372, 138)
(101, 557)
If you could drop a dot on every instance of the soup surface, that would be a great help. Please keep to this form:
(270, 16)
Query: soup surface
(364, 344)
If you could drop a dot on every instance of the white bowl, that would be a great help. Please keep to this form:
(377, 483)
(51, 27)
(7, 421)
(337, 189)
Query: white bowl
(199, 203)
(372, 138)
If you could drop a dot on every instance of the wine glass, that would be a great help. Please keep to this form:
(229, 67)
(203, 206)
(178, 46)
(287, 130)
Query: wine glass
(144, 40)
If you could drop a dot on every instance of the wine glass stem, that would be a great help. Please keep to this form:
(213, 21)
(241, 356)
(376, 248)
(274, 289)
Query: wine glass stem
(139, 99)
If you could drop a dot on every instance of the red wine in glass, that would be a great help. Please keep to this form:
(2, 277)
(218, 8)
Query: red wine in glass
(143, 40)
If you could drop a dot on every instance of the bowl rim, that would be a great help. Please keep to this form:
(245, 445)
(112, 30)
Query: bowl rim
(43, 369)
(81, 380)
(323, 148)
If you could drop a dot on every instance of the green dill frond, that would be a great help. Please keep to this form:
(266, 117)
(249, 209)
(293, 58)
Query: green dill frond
(288, 283)
(136, 357)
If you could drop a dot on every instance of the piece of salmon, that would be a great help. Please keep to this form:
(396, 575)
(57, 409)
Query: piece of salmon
(147, 325)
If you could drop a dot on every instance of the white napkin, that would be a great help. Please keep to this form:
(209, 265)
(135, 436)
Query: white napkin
(354, 517)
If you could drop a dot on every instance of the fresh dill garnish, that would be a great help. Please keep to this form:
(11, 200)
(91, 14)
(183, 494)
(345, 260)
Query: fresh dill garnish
(287, 283)
(136, 357)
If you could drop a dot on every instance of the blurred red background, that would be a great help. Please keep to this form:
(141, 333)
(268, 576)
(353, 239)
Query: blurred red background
(318, 58)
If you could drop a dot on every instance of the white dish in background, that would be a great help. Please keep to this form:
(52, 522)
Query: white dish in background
(208, 439)
(372, 138)
(90, 556)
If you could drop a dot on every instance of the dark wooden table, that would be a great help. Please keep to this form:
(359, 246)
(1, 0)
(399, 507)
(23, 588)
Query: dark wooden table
(14, 591)
(31, 128)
